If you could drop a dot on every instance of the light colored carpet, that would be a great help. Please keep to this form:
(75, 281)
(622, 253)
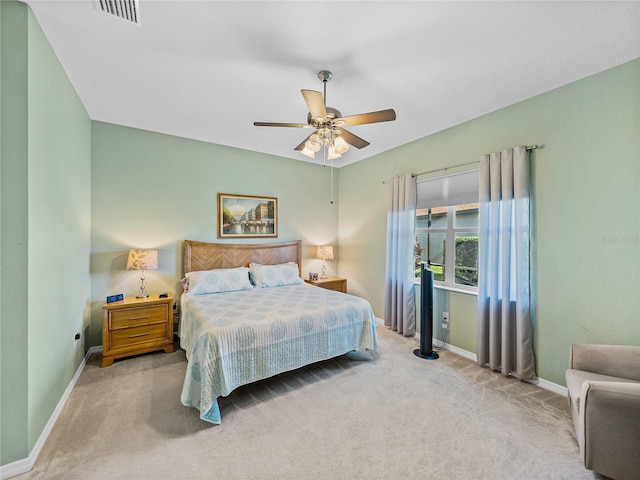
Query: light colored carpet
(390, 416)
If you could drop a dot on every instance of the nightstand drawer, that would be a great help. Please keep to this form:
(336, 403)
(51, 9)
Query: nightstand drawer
(132, 317)
(330, 283)
(338, 286)
(132, 336)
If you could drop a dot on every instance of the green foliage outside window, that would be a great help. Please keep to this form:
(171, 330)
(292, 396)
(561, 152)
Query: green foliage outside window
(438, 270)
(467, 260)
(417, 255)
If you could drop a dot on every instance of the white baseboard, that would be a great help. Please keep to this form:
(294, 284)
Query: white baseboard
(26, 464)
(540, 382)
(453, 349)
(552, 387)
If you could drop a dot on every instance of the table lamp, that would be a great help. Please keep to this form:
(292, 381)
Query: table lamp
(325, 252)
(142, 260)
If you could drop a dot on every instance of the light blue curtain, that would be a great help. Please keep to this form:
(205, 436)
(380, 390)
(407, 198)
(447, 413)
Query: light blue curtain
(505, 333)
(400, 312)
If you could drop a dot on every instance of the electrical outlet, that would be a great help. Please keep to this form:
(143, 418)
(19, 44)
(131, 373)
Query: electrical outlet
(445, 320)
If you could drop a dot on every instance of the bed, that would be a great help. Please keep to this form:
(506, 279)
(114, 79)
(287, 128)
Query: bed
(235, 331)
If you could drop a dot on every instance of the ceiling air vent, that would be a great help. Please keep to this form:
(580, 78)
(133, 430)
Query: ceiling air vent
(125, 9)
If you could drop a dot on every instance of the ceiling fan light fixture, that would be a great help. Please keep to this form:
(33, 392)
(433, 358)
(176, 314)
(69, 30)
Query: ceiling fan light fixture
(340, 146)
(324, 136)
(332, 154)
(313, 143)
(307, 152)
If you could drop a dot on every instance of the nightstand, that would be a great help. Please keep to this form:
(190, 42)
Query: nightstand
(136, 325)
(331, 283)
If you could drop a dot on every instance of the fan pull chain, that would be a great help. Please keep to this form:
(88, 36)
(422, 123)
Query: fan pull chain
(325, 158)
(331, 182)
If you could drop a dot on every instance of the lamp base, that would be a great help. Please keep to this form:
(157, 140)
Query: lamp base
(143, 287)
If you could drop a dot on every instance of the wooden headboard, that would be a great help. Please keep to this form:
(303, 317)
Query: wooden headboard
(208, 256)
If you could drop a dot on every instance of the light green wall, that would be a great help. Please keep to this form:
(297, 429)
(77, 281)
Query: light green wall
(151, 190)
(59, 226)
(586, 189)
(46, 181)
(462, 307)
(13, 221)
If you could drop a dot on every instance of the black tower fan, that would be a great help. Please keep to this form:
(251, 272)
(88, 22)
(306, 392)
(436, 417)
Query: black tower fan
(426, 318)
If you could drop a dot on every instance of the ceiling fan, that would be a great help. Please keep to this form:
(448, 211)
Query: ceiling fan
(329, 124)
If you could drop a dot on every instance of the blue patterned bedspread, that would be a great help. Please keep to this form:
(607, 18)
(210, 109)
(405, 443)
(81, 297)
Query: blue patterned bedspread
(236, 338)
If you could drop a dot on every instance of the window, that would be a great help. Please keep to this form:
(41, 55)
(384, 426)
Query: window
(447, 232)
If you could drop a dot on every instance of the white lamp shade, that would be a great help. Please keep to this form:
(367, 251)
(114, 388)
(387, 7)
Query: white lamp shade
(313, 143)
(142, 259)
(340, 146)
(308, 153)
(332, 154)
(325, 252)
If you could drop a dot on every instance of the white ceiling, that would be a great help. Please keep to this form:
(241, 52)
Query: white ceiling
(207, 70)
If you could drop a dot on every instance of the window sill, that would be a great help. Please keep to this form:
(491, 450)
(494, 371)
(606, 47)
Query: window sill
(451, 289)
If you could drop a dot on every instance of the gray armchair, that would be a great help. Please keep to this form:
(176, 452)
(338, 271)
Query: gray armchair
(604, 398)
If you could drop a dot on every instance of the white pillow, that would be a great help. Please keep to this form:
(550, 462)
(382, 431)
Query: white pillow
(217, 281)
(274, 275)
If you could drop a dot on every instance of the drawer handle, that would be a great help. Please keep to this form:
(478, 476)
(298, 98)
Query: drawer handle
(139, 335)
(140, 317)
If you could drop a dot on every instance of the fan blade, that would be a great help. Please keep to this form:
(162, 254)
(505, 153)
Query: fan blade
(371, 117)
(315, 103)
(301, 146)
(352, 139)
(272, 124)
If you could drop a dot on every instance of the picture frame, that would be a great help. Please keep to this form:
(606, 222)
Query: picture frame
(247, 216)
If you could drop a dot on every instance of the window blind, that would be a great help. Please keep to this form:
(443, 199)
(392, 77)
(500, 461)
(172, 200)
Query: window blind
(447, 190)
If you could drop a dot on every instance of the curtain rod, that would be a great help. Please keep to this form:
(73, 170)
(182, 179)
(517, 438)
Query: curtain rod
(444, 169)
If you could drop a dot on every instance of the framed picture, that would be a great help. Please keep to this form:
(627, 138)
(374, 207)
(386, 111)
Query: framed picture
(247, 216)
